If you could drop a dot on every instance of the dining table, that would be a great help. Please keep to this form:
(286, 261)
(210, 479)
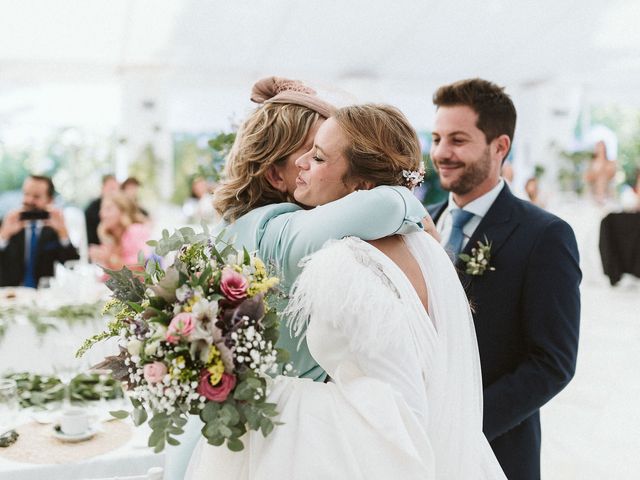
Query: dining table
(41, 331)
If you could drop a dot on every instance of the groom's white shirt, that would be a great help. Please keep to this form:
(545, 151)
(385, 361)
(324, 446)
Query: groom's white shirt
(479, 207)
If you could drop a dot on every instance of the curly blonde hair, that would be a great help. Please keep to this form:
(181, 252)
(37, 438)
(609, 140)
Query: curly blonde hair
(270, 134)
(130, 215)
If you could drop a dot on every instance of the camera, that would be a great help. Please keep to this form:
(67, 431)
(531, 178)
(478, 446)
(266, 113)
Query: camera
(34, 215)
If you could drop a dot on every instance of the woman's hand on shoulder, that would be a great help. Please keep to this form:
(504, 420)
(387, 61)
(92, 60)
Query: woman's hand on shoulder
(430, 227)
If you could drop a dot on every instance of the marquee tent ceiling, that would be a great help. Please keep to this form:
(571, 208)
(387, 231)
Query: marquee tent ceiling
(408, 41)
(390, 48)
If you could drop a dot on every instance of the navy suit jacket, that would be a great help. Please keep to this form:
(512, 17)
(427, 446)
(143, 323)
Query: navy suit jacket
(527, 317)
(50, 250)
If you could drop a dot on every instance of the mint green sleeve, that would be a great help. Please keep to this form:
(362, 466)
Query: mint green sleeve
(367, 214)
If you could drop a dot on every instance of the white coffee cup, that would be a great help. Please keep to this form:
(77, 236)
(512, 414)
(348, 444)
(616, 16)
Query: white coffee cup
(74, 421)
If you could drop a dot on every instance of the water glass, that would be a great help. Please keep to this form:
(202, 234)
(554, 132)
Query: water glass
(8, 403)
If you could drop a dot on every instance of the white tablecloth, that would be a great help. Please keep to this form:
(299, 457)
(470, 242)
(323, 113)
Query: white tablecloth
(133, 458)
(22, 348)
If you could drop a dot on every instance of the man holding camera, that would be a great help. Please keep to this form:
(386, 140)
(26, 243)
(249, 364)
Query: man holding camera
(33, 237)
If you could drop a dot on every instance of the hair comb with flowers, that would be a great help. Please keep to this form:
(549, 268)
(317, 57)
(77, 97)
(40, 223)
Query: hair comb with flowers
(413, 178)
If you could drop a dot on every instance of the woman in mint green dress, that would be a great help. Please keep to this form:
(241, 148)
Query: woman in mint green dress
(255, 200)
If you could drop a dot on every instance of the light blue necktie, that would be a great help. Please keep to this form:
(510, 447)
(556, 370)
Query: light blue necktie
(30, 270)
(454, 244)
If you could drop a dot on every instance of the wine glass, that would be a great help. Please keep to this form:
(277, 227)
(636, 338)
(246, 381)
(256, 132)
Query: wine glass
(8, 403)
(66, 367)
(45, 283)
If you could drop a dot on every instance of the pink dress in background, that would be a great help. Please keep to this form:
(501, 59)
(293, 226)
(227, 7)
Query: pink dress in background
(133, 241)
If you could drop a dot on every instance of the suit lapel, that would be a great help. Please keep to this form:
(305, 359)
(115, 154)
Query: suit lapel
(436, 210)
(19, 248)
(496, 226)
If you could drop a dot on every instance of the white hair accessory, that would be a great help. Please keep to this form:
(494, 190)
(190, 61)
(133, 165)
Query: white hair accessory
(413, 178)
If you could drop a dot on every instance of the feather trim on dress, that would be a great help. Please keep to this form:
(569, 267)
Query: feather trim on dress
(364, 285)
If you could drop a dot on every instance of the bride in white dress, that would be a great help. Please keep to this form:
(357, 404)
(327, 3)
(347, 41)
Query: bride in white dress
(389, 322)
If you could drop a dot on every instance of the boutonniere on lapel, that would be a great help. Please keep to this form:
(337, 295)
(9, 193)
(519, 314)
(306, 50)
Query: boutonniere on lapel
(478, 262)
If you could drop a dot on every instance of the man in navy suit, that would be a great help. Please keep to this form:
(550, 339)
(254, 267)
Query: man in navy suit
(526, 300)
(33, 237)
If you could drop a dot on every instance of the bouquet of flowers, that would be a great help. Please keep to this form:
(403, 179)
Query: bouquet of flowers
(195, 338)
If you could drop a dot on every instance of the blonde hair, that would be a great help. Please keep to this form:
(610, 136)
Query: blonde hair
(270, 134)
(381, 143)
(130, 214)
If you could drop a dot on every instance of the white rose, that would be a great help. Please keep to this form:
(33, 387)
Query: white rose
(160, 330)
(150, 348)
(134, 346)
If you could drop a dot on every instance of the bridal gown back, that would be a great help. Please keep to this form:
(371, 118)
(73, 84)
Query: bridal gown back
(405, 400)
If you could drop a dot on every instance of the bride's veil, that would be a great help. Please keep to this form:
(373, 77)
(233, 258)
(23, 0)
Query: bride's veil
(454, 391)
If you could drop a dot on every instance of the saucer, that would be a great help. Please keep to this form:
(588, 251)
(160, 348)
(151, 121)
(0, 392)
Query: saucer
(80, 437)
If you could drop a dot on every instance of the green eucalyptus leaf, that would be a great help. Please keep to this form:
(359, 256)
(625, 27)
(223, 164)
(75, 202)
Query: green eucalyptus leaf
(217, 441)
(266, 426)
(159, 446)
(173, 430)
(139, 416)
(173, 441)
(243, 391)
(210, 430)
(230, 413)
(180, 421)
(235, 445)
(210, 412)
(155, 438)
(119, 414)
(160, 419)
(254, 382)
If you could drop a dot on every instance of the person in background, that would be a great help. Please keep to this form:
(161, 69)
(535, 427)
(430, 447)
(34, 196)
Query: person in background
(630, 195)
(123, 233)
(92, 212)
(199, 206)
(33, 237)
(636, 189)
(532, 189)
(600, 172)
(507, 172)
(130, 188)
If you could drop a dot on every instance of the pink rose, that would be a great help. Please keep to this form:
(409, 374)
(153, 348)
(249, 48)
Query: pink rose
(221, 391)
(181, 326)
(154, 372)
(233, 285)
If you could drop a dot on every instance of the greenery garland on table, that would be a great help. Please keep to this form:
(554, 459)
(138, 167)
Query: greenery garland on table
(40, 318)
(37, 390)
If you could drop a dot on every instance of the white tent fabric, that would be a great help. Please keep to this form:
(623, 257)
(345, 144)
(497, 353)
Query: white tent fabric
(149, 66)
(375, 49)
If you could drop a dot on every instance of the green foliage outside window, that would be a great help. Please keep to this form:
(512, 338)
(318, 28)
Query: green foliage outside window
(198, 155)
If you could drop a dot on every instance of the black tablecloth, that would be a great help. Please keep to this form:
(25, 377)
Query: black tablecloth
(620, 245)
